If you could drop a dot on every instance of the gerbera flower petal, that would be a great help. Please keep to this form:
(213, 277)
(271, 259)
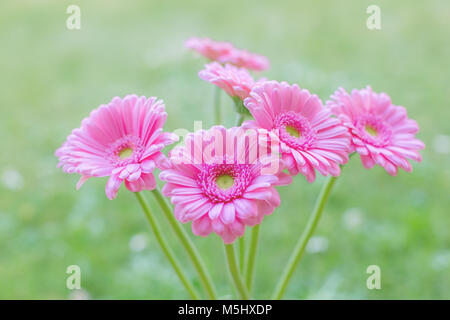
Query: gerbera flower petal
(144, 182)
(245, 208)
(112, 186)
(82, 180)
(216, 210)
(229, 213)
(202, 226)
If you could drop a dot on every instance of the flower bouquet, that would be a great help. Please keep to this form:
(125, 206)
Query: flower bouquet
(224, 180)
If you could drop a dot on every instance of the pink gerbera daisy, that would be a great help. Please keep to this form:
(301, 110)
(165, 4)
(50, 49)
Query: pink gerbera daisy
(245, 59)
(380, 132)
(222, 181)
(225, 52)
(208, 48)
(122, 140)
(310, 139)
(237, 82)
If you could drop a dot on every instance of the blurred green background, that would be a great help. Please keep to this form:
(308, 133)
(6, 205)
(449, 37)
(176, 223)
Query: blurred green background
(52, 77)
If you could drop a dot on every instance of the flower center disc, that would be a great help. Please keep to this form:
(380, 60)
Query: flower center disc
(371, 130)
(125, 153)
(224, 181)
(292, 131)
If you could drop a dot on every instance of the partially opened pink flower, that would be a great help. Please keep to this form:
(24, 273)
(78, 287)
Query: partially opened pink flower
(225, 52)
(122, 140)
(223, 180)
(245, 59)
(380, 132)
(237, 82)
(212, 50)
(310, 138)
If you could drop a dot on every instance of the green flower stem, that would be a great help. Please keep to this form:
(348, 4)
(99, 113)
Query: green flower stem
(235, 275)
(164, 246)
(239, 119)
(304, 238)
(187, 244)
(241, 254)
(250, 264)
(217, 111)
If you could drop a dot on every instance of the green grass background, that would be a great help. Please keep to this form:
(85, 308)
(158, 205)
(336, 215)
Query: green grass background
(51, 78)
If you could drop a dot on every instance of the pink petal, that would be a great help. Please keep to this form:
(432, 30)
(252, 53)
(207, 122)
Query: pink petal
(228, 213)
(112, 186)
(202, 227)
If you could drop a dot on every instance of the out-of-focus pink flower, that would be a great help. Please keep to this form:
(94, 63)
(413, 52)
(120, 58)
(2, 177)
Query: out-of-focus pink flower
(122, 140)
(223, 180)
(237, 82)
(208, 48)
(245, 59)
(310, 138)
(225, 52)
(380, 132)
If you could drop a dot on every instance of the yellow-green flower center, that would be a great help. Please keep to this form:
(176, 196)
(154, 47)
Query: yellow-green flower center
(371, 130)
(224, 181)
(293, 131)
(125, 153)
